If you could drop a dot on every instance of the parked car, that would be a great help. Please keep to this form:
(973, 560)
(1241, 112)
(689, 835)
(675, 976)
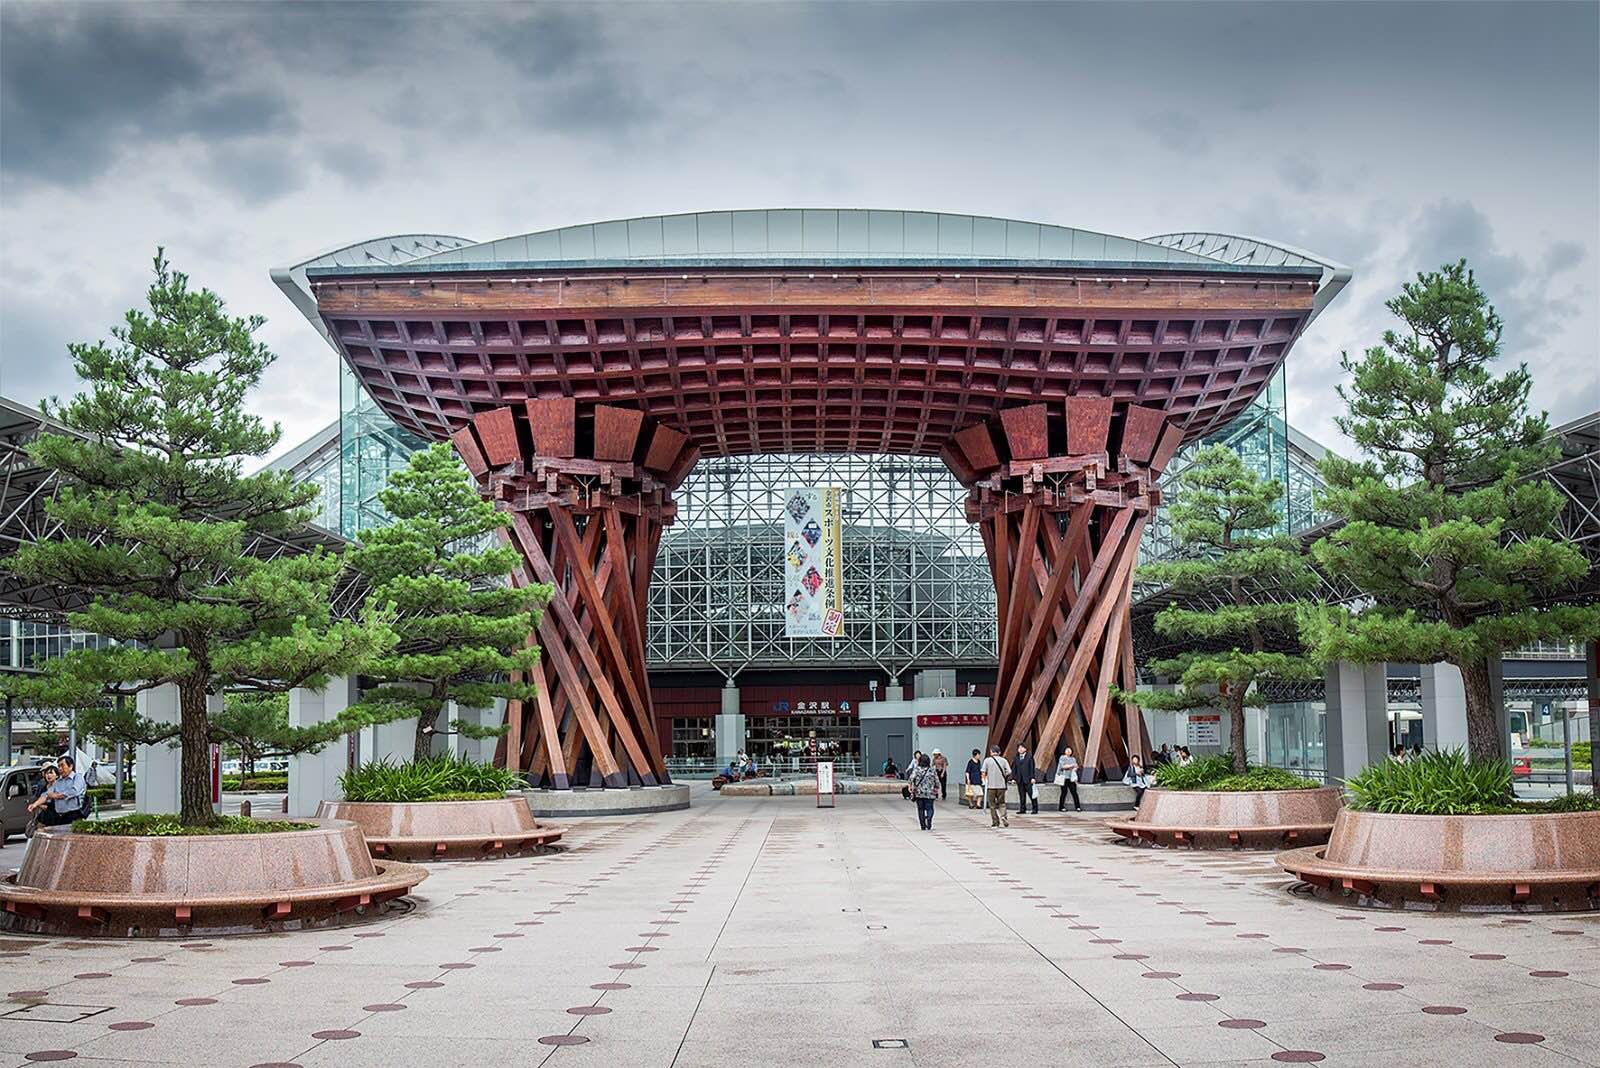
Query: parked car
(16, 790)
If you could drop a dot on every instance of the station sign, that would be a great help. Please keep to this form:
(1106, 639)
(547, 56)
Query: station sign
(954, 719)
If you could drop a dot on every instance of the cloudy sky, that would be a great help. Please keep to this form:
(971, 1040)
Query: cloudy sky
(247, 136)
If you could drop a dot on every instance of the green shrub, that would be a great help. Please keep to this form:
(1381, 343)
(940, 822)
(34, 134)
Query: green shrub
(442, 778)
(1582, 801)
(270, 781)
(109, 792)
(1434, 783)
(166, 825)
(1582, 755)
(1216, 773)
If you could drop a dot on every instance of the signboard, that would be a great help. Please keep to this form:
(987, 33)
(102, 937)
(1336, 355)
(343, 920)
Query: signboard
(822, 706)
(824, 783)
(954, 719)
(813, 571)
(1205, 729)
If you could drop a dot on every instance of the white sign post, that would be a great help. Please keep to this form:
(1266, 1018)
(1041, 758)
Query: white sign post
(825, 783)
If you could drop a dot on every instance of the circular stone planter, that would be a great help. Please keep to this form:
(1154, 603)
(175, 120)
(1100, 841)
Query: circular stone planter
(1534, 861)
(1237, 819)
(217, 883)
(444, 830)
(632, 801)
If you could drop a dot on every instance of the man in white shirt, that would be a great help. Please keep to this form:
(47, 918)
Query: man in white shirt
(996, 773)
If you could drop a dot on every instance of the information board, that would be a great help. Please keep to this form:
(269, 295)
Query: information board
(825, 783)
(1205, 729)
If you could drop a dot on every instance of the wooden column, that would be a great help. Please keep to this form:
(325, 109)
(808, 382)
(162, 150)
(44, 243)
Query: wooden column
(588, 526)
(1062, 496)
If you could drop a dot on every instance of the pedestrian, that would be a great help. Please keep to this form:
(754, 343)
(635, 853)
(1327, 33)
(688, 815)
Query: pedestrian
(1023, 771)
(924, 786)
(996, 773)
(66, 797)
(941, 768)
(39, 803)
(973, 792)
(1136, 778)
(1165, 756)
(1067, 779)
(1183, 756)
(916, 758)
(891, 770)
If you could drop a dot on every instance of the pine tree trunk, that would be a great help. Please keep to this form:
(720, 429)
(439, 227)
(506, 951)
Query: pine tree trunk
(1236, 740)
(1483, 719)
(194, 774)
(426, 719)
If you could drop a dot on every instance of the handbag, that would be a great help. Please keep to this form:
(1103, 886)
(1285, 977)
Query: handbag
(905, 791)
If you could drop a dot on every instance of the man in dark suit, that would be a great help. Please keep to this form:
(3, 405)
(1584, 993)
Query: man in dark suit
(1022, 770)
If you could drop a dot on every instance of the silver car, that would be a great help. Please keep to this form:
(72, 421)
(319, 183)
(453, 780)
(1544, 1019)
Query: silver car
(17, 785)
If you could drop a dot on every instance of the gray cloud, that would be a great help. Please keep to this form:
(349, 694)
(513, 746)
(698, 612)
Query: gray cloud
(1177, 130)
(81, 86)
(1563, 256)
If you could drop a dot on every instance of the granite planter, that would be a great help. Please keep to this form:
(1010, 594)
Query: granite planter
(445, 830)
(1233, 819)
(134, 885)
(1537, 861)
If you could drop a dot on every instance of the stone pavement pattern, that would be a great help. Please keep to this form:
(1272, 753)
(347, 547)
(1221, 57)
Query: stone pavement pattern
(767, 931)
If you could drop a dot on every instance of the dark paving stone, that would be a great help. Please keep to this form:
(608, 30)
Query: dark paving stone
(1488, 956)
(1548, 974)
(1443, 1010)
(483, 949)
(1519, 1038)
(1241, 1023)
(251, 982)
(335, 949)
(1433, 941)
(50, 1055)
(563, 1040)
(295, 963)
(132, 1025)
(92, 975)
(1160, 975)
(1331, 967)
(425, 984)
(628, 966)
(589, 1010)
(1198, 997)
(1383, 986)
(335, 1035)
(610, 986)
(1297, 1056)
(1132, 956)
(148, 960)
(457, 966)
(190, 1002)
(384, 1006)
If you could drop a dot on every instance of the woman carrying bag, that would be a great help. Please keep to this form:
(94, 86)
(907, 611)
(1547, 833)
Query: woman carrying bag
(1067, 779)
(924, 787)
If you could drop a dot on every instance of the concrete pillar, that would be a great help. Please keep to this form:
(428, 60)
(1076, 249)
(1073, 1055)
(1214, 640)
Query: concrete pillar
(395, 741)
(314, 777)
(477, 749)
(928, 683)
(730, 726)
(160, 766)
(1357, 724)
(1591, 669)
(1444, 707)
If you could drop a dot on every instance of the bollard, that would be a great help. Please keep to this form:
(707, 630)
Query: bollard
(244, 807)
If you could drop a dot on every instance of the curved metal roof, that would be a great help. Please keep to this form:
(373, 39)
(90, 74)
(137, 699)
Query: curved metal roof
(820, 233)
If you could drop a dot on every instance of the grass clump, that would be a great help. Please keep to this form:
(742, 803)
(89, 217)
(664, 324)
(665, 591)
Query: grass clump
(166, 825)
(1216, 773)
(1450, 783)
(443, 778)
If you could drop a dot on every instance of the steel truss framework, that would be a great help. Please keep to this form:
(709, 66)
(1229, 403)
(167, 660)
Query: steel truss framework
(25, 491)
(917, 586)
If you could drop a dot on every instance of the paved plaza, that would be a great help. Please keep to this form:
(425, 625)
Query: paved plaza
(766, 931)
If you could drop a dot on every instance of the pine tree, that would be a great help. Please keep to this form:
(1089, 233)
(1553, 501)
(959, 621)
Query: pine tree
(158, 522)
(1444, 526)
(1226, 520)
(463, 630)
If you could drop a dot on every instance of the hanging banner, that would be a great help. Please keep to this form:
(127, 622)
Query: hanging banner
(813, 572)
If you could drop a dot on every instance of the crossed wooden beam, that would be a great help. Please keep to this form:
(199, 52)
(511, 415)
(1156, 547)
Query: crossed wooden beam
(1061, 494)
(1061, 510)
(585, 504)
